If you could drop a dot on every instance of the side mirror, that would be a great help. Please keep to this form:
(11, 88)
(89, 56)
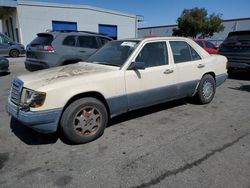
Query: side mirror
(10, 43)
(136, 65)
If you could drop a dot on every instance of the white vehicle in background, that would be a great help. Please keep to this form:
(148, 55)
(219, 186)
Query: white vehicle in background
(122, 76)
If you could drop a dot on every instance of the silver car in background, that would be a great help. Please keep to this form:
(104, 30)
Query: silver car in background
(9, 47)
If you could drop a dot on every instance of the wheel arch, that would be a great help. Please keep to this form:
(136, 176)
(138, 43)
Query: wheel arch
(93, 94)
(206, 73)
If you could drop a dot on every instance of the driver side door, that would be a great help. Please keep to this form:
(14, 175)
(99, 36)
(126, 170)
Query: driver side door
(157, 82)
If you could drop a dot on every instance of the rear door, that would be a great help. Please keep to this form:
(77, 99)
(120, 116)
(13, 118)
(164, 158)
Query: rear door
(86, 46)
(189, 67)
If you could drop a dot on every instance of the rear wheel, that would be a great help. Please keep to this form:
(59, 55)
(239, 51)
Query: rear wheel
(84, 120)
(206, 90)
(14, 53)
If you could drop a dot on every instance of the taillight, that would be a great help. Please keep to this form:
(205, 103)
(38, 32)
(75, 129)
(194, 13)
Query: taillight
(47, 48)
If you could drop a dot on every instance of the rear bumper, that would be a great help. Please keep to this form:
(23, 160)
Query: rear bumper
(34, 65)
(43, 121)
(239, 66)
(220, 79)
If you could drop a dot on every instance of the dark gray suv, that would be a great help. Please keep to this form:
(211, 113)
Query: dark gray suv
(53, 49)
(9, 47)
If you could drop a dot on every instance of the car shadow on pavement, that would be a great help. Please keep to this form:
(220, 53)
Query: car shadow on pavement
(241, 88)
(31, 137)
(146, 111)
(4, 74)
(240, 75)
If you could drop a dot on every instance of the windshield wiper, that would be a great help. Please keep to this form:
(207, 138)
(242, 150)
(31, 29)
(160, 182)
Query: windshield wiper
(105, 63)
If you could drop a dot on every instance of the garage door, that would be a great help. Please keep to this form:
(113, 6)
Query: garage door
(109, 30)
(64, 26)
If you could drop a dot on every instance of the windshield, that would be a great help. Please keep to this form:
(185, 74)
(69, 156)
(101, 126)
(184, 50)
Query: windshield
(114, 53)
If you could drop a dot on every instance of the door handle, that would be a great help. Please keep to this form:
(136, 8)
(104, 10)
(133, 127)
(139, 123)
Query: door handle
(82, 51)
(168, 71)
(200, 66)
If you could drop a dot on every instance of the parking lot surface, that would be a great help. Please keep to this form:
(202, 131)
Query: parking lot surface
(176, 144)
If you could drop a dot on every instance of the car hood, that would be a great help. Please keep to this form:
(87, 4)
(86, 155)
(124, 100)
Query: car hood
(66, 73)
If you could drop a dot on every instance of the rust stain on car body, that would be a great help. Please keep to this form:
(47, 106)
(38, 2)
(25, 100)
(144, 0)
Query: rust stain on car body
(73, 70)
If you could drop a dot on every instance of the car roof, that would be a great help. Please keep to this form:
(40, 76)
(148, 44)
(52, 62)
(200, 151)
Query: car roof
(78, 33)
(156, 39)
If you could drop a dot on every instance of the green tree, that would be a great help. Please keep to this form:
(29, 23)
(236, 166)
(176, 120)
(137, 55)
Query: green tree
(197, 23)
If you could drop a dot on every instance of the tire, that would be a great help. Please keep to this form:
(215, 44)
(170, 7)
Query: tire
(206, 90)
(14, 53)
(84, 120)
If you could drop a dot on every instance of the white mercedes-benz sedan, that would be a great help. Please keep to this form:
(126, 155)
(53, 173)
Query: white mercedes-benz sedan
(122, 76)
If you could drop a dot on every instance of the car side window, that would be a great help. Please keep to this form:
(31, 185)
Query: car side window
(183, 52)
(194, 54)
(103, 41)
(70, 41)
(153, 54)
(3, 40)
(209, 45)
(87, 42)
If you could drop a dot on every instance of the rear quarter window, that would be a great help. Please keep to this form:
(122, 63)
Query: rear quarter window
(183, 52)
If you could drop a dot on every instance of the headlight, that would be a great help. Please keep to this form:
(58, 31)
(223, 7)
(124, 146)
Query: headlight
(32, 98)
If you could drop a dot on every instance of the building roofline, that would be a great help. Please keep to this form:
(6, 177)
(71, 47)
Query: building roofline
(160, 26)
(11, 4)
(72, 6)
(236, 19)
(174, 25)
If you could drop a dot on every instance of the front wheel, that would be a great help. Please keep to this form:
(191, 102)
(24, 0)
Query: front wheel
(206, 90)
(84, 120)
(14, 53)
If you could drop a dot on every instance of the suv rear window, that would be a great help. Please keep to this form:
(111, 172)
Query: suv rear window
(42, 39)
(236, 42)
(235, 37)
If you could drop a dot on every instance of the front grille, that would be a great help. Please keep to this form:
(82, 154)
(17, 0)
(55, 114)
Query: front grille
(16, 91)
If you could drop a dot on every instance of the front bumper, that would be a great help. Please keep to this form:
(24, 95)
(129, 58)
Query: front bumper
(43, 121)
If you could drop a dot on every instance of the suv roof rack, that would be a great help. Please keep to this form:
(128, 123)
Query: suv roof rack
(68, 31)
